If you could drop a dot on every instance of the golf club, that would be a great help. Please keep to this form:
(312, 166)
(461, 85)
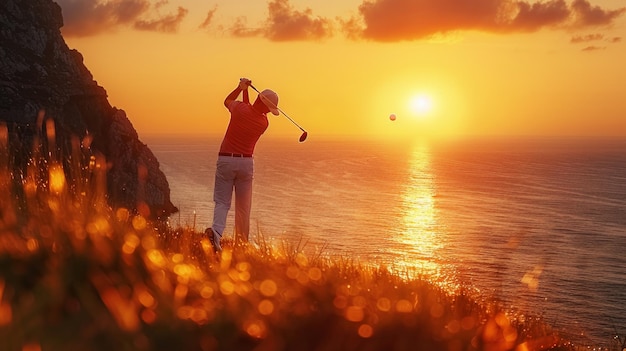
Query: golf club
(304, 133)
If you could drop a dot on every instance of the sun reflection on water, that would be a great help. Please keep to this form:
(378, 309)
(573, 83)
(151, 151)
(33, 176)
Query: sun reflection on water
(420, 236)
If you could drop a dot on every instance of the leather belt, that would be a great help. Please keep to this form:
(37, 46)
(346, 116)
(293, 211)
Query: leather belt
(230, 154)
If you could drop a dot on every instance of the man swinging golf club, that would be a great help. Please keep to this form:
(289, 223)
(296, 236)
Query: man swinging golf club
(235, 165)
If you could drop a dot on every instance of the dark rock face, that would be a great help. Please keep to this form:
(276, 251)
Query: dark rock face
(41, 76)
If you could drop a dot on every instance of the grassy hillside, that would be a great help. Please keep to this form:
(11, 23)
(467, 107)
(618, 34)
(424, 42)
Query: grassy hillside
(78, 275)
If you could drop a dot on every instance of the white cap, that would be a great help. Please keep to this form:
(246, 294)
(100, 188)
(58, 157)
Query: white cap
(270, 99)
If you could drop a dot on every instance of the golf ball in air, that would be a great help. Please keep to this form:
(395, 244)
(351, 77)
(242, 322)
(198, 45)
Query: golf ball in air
(392, 116)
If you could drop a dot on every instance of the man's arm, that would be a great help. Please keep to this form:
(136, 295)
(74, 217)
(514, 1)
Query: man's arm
(246, 97)
(232, 96)
(244, 83)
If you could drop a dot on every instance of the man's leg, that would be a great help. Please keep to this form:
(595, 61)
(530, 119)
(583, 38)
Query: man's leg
(243, 199)
(222, 193)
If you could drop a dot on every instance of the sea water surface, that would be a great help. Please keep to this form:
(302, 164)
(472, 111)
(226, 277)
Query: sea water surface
(537, 223)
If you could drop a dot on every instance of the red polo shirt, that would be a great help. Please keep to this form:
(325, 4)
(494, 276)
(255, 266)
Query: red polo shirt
(244, 129)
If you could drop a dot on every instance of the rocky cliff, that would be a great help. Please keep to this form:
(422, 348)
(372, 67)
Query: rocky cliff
(41, 79)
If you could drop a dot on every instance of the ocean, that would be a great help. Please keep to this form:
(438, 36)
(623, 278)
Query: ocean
(539, 223)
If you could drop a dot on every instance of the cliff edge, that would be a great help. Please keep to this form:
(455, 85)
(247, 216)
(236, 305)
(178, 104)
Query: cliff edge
(41, 78)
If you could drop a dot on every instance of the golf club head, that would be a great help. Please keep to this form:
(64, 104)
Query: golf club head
(303, 136)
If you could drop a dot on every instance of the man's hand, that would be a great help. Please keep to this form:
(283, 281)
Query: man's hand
(244, 83)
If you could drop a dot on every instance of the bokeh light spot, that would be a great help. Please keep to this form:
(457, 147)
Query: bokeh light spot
(383, 304)
(404, 306)
(354, 314)
(266, 307)
(366, 331)
(268, 287)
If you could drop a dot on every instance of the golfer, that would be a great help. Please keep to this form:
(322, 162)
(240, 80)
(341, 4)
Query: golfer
(235, 164)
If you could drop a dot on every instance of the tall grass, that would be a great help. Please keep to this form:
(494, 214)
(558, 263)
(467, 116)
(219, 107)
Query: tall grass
(76, 274)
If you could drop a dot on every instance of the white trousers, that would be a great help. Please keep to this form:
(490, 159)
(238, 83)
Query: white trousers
(233, 173)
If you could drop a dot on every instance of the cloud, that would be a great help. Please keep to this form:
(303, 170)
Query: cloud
(284, 23)
(377, 20)
(167, 24)
(208, 19)
(588, 15)
(241, 30)
(90, 17)
(527, 17)
(396, 20)
(586, 38)
(593, 48)
(393, 20)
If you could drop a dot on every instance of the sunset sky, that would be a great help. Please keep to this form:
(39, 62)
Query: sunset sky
(443, 67)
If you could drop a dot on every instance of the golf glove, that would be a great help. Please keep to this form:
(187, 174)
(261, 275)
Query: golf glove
(244, 83)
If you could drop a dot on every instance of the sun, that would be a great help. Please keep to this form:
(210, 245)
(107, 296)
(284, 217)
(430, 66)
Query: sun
(421, 105)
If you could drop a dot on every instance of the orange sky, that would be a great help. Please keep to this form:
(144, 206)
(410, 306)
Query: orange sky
(497, 67)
